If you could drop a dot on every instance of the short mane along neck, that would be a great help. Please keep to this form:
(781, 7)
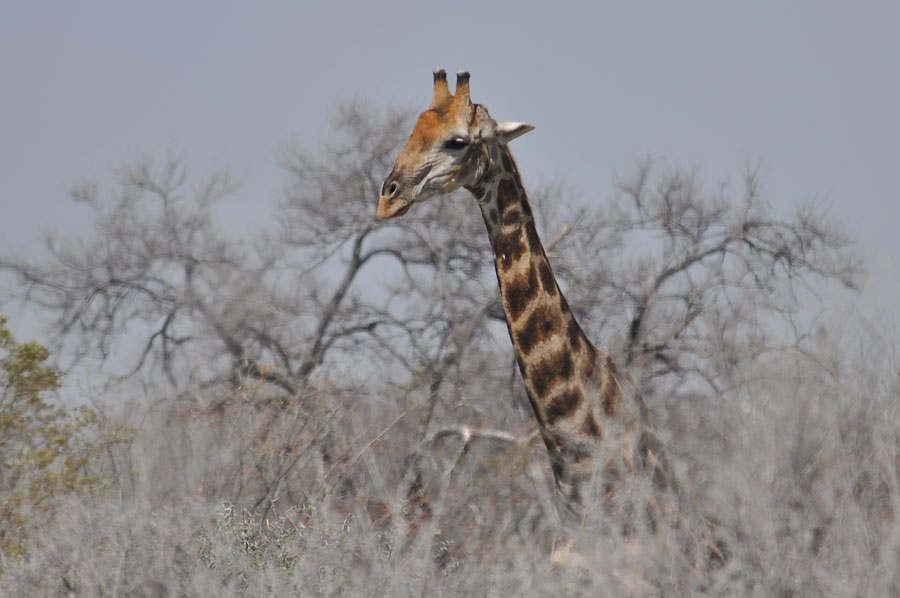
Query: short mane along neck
(557, 362)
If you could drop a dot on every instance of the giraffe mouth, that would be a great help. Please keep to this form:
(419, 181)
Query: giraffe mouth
(392, 209)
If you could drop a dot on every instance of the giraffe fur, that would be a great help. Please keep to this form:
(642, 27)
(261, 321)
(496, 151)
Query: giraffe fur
(591, 419)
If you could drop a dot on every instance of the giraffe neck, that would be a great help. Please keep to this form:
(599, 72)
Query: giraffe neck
(572, 386)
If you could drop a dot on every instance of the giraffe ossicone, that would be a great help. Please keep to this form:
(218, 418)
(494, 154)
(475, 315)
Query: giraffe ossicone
(588, 419)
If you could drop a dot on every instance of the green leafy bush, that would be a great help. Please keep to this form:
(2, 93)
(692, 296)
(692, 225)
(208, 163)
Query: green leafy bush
(46, 450)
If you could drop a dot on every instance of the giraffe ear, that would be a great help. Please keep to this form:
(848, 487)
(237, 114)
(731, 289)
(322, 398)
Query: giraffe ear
(507, 131)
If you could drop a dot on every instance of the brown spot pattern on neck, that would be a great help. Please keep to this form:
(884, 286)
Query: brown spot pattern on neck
(570, 395)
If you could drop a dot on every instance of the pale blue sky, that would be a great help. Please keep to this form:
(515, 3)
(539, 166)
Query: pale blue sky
(811, 88)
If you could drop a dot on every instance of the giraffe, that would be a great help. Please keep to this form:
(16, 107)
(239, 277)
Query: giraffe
(588, 414)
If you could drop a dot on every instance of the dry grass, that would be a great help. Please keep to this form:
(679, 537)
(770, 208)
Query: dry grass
(799, 467)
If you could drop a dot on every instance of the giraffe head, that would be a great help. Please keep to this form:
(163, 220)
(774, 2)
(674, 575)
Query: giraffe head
(450, 147)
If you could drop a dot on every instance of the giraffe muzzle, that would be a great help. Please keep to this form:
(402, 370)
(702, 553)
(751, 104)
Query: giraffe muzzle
(392, 202)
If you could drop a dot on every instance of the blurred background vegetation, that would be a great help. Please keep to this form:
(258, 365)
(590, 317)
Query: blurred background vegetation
(330, 406)
(47, 450)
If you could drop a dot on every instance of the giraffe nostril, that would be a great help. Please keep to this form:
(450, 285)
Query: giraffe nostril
(390, 189)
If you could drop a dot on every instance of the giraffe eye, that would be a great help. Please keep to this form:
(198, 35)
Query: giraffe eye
(456, 143)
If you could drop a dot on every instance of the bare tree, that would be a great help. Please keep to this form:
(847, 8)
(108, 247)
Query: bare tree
(679, 282)
(683, 282)
(340, 364)
(158, 271)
